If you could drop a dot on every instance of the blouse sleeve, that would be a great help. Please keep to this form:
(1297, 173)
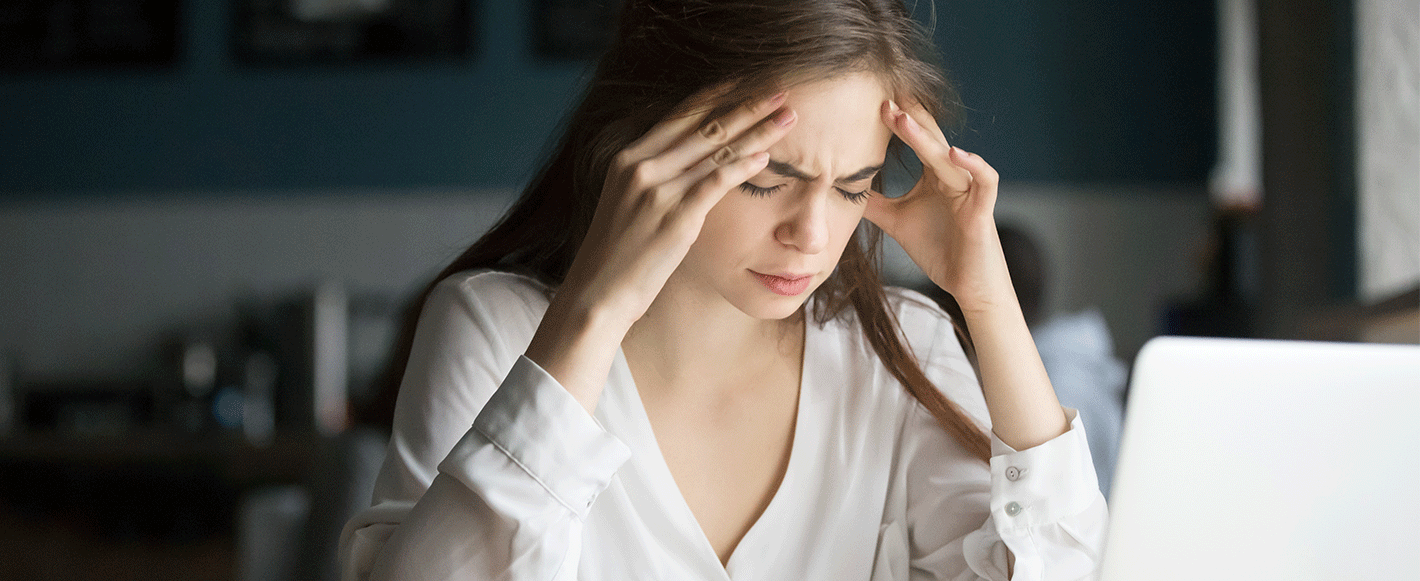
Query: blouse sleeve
(492, 465)
(1043, 504)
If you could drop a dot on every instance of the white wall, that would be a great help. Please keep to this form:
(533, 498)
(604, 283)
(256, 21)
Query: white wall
(1125, 250)
(1388, 146)
(91, 287)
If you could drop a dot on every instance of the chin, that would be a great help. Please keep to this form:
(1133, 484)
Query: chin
(783, 309)
(764, 305)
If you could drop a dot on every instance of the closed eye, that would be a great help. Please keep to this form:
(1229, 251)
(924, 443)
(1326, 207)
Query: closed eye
(855, 197)
(757, 191)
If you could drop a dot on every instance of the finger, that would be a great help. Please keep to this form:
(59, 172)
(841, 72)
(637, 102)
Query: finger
(924, 118)
(931, 148)
(711, 136)
(756, 140)
(882, 211)
(983, 177)
(708, 190)
(690, 113)
(911, 132)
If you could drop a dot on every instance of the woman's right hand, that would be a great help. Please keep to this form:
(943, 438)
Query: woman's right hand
(653, 203)
(655, 198)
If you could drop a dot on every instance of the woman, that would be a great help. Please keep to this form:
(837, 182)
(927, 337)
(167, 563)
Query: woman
(678, 361)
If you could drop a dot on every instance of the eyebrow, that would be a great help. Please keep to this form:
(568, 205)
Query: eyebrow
(790, 171)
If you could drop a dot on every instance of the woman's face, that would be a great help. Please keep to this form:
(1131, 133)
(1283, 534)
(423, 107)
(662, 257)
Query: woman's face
(768, 244)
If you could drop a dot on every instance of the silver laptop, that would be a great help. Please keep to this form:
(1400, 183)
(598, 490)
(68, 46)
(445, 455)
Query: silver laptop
(1268, 460)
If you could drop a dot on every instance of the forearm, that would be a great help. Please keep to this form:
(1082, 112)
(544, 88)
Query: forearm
(510, 498)
(1023, 407)
(576, 345)
(454, 531)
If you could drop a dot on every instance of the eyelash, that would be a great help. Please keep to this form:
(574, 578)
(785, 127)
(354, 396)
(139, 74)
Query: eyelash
(759, 192)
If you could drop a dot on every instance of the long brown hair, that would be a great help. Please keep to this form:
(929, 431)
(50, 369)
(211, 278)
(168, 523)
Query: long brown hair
(666, 51)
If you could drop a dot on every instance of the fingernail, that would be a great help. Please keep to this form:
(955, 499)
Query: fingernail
(760, 158)
(893, 104)
(778, 98)
(784, 118)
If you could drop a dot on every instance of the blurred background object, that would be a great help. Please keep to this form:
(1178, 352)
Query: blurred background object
(90, 34)
(210, 211)
(350, 31)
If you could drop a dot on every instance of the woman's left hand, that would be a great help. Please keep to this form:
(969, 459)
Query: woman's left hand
(945, 221)
(945, 224)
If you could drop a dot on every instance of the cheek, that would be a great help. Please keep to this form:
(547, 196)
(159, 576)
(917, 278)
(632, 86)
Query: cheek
(842, 223)
(732, 216)
(845, 221)
(729, 225)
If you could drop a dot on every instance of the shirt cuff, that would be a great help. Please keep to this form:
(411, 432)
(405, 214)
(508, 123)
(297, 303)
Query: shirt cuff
(542, 429)
(1043, 484)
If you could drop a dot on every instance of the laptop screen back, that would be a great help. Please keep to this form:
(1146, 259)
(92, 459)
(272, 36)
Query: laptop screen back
(1258, 460)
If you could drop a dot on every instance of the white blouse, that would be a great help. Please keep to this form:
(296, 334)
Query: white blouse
(538, 489)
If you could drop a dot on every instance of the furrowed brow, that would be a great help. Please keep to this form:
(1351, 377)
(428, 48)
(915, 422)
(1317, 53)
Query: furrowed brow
(863, 174)
(790, 171)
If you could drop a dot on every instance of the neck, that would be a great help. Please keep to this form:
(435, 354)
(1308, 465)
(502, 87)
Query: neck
(687, 341)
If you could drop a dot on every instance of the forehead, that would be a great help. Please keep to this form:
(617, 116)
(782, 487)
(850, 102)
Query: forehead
(839, 128)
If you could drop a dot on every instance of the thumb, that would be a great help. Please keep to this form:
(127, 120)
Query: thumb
(881, 211)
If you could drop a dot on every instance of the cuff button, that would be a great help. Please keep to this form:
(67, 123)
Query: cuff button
(1013, 508)
(1013, 474)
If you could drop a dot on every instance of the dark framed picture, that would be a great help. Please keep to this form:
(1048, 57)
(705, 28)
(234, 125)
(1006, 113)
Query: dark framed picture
(276, 32)
(88, 34)
(573, 29)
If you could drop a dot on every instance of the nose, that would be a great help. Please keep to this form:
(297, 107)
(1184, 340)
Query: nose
(805, 227)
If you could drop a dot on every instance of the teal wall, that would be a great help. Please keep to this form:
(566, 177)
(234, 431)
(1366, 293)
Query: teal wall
(1085, 91)
(1057, 91)
(213, 124)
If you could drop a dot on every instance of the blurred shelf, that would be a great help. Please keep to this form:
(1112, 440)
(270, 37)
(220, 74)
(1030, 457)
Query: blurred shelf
(136, 505)
(286, 458)
(64, 550)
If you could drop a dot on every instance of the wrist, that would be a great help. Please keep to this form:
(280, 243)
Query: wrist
(990, 298)
(995, 319)
(570, 325)
(576, 344)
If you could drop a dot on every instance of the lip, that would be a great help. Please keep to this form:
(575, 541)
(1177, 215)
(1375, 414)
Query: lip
(786, 284)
